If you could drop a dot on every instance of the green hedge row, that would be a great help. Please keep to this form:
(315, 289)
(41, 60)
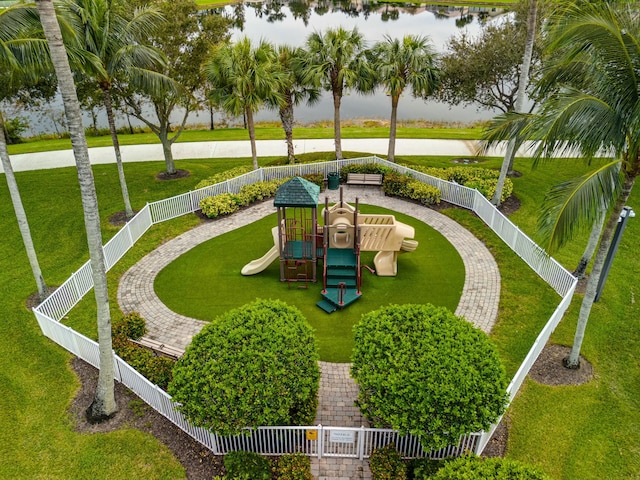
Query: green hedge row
(227, 203)
(482, 179)
(251, 466)
(386, 464)
(222, 176)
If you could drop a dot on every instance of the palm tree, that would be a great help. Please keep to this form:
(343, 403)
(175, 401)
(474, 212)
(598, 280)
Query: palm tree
(243, 79)
(507, 162)
(401, 64)
(591, 103)
(21, 55)
(295, 89)
(104, 30)
(104, 404)
(337, 62)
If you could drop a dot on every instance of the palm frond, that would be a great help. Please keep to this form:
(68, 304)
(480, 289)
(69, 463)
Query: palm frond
(573, 206)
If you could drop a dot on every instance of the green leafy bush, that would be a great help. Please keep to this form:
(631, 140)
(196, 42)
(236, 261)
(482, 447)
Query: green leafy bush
(222, 176)
(131, 326)
(316, 178)
(246, 466)
(254, 365)
(14, 128)
(385, 464)
(472, 468)
(256, 192)
(424, 371)
(423, 468)
(482, 179)
(218, 205)
(423, 193)
(395, 184)
(295, 466)
(156, 369)
(400, 185)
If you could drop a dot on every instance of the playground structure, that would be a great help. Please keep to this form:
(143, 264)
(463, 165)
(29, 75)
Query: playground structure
(299, 242)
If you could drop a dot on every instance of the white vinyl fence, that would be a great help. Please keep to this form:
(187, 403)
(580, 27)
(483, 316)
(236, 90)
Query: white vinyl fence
(312, 440)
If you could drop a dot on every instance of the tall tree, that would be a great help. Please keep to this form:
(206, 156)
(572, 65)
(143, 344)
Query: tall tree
(115, 39)
(591, 103)
(337, 62)
(104, 403)
(410, 62)
(523, 81)
(22, 55)
(485, 70)
(186, 41)
(295, 89)
(244, 78)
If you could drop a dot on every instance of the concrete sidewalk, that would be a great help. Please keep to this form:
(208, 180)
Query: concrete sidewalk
(241, 148)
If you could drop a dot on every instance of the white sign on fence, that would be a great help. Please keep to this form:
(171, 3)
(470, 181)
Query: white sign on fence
(342, 436)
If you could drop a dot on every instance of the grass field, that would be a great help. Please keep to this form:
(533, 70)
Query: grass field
(586, 432)
(206, 281)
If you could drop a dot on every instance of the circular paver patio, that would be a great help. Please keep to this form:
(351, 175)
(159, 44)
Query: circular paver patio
(478, 302)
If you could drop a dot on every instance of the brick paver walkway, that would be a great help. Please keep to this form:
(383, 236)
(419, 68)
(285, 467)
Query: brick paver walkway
(478, 304)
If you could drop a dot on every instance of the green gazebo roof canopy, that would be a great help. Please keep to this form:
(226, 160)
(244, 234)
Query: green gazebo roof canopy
(297, 192)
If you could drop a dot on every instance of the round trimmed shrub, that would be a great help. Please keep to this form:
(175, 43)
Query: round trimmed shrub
(471, 468)
(385, 463)
(255, 365)
(424, 371)
(131, 325)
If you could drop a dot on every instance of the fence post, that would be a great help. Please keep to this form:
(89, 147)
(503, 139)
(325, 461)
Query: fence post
(361, 443)
(320, 441)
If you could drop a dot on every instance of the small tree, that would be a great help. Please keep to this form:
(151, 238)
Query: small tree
(424, 371)
(255, 365)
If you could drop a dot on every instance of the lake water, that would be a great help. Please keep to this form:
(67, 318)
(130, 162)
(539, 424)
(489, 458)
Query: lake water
(279, 22)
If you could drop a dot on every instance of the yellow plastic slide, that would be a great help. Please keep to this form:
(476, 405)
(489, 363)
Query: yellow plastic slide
(258, 265)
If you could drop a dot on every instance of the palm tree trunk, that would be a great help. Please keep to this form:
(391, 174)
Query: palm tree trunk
(163, 135)
(116, 147)
(286, 117)
(21, 216)
(391, 154)
(336, 125)
(104, 404)
(507, 162)
(573, 360)
(252, 136)
(590, 249)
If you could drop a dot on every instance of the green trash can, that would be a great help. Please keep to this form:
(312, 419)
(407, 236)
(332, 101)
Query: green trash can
(333, 181)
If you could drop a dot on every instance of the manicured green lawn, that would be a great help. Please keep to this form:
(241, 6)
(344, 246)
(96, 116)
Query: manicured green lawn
(585, 432)
(206, 281)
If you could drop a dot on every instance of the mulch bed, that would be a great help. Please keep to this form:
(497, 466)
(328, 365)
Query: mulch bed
(198, 461)
(179, 174)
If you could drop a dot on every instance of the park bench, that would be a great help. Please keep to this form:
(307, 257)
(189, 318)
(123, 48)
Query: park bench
(159, 348)
(364, 179)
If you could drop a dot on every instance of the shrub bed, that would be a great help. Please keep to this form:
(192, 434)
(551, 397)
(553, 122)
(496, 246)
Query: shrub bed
(223, 176)
(156, 369)
(482, 179)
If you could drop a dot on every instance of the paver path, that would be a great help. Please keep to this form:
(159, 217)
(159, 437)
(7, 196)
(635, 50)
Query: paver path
(478, 303)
